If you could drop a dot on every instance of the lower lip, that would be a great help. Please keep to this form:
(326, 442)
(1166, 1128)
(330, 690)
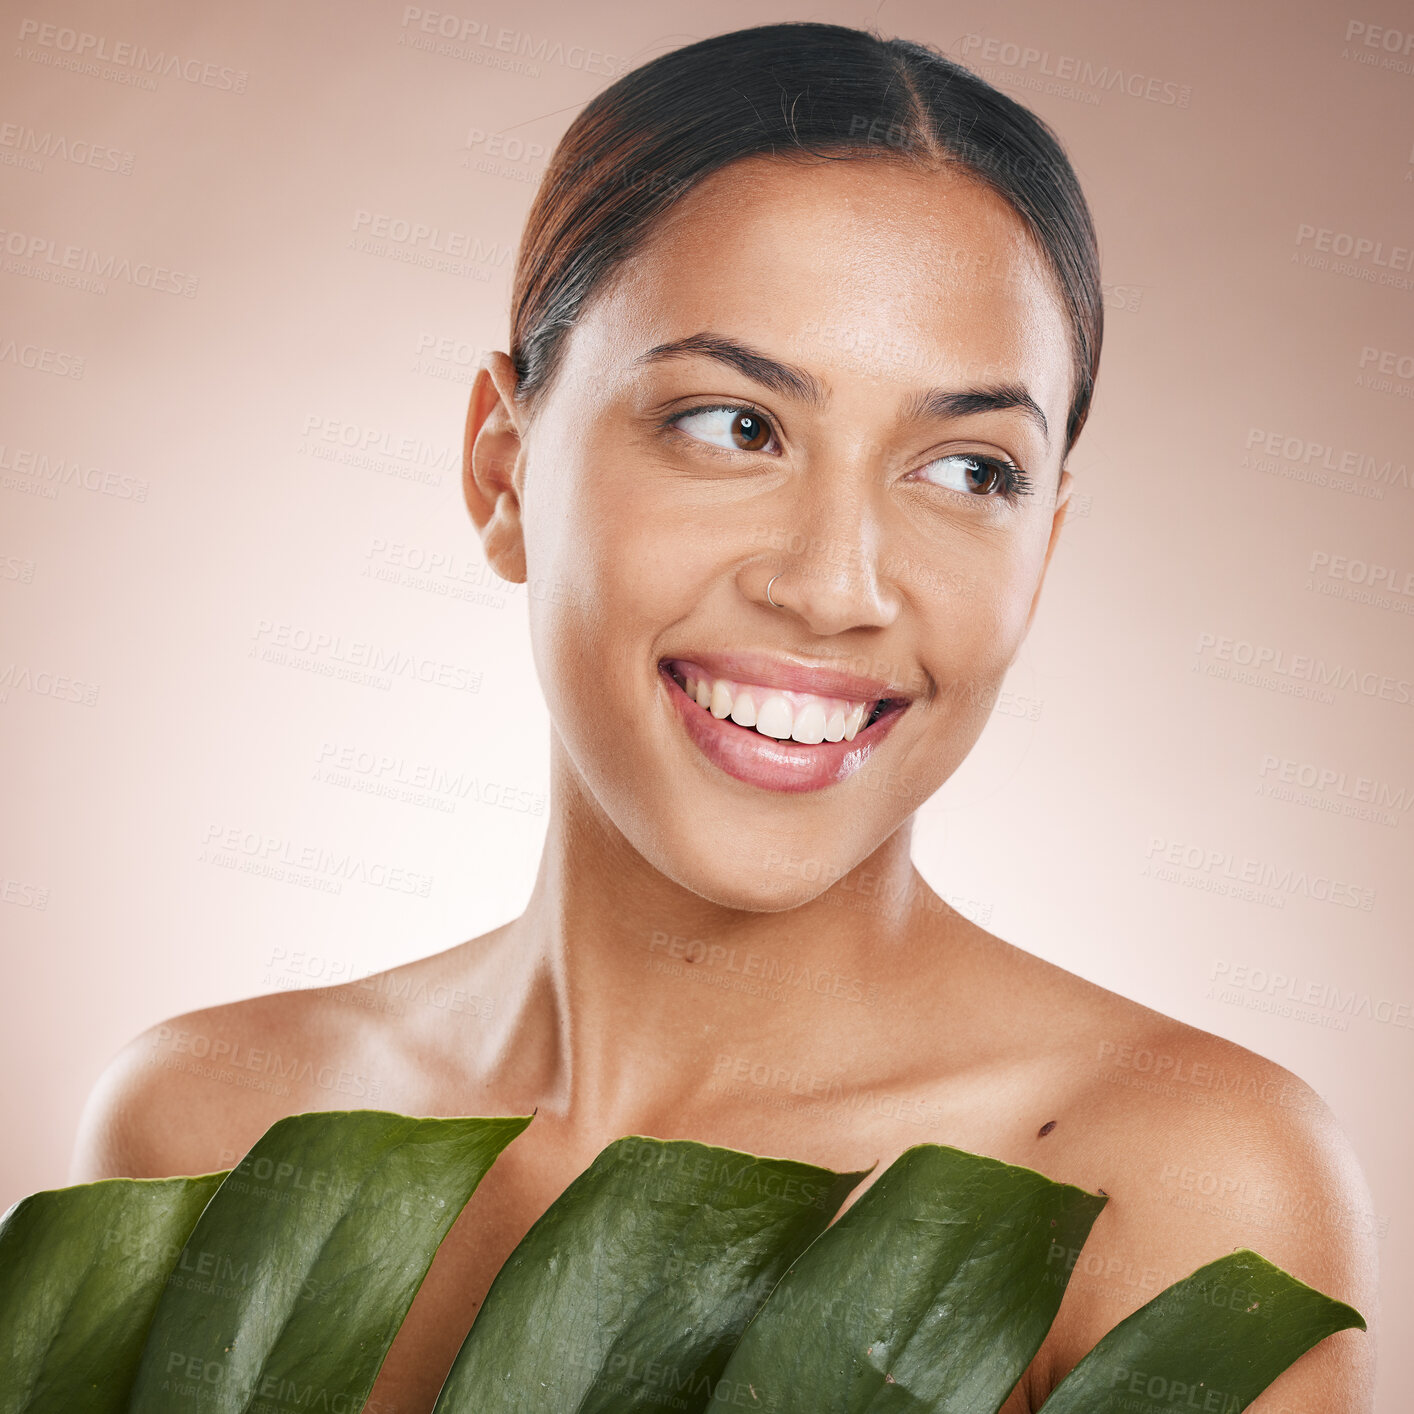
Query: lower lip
(762, 760)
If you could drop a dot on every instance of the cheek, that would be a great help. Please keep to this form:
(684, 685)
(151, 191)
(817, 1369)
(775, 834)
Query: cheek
(973, 617)
(609, 567)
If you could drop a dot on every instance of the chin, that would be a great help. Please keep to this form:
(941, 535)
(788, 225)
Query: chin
(730, 893)
(757, 876)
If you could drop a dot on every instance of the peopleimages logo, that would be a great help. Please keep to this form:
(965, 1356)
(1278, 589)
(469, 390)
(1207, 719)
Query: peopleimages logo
(330, 654)
(1292, 987)
(22, 678)
(1317, 456)
(360, 437)
(404, 231)
(56, 471)
(1379, 46)
(1361, 794)
(31, 148)
(1300, 668)
(1222, 864)
(234, 845)
(1325, 239)
(65, 48)
(1071, 68)
(459, 37)
(43, 255)
(42, 360)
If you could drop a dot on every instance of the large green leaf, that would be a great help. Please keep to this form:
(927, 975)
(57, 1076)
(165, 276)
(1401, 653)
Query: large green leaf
(81, 1272)
(932, 1292)
(636, 1290)
(1211, 1342)
(631, 1289)
(299, 1272)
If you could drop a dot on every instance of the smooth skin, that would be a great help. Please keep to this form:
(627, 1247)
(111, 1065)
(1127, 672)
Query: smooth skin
(685, 967)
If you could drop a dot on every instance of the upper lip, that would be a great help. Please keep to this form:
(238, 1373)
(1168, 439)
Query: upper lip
(795, 674)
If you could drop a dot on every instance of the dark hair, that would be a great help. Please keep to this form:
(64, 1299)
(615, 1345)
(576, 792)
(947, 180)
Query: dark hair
(783, 90)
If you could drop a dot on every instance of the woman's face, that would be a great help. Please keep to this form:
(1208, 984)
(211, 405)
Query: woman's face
(793, 435)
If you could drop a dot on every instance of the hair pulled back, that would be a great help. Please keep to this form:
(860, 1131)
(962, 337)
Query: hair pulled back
(794, 89)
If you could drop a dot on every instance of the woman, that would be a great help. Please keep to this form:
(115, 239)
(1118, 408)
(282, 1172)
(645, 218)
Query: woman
(805, 325)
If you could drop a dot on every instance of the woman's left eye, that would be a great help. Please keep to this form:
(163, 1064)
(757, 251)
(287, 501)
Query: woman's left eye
(976, 475)
(739, 429)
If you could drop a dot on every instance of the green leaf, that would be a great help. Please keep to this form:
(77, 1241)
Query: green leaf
(297, 1275)
(933, 1292)
(1211, 1343)
(81, 1272)
(631, 1289)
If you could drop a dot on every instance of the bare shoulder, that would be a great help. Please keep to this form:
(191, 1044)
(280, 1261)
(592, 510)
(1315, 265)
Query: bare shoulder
(182, 1095)
(1204, 1147)
(192, 1093)
(144, 1114)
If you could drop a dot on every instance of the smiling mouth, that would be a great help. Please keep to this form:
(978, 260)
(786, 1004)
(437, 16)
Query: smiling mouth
(787, 717)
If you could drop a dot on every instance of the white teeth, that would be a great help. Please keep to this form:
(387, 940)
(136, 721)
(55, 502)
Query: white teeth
(809, 724)
(744, 709)
(774, 719)
(785, 715)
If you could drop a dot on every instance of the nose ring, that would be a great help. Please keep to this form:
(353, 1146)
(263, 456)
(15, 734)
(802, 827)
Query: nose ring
(771, 601)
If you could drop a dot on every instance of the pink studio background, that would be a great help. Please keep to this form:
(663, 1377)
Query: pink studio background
(246, 438)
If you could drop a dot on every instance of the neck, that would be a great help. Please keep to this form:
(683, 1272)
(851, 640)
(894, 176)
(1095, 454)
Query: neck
(628, 994)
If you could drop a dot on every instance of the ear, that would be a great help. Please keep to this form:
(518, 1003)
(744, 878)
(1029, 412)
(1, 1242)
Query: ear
(493, 466)
(1063, 490)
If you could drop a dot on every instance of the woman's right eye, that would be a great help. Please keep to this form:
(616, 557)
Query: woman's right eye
(733, 427)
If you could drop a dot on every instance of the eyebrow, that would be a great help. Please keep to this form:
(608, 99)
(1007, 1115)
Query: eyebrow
(799, 383)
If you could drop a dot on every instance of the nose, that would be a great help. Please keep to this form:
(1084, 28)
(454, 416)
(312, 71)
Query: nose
(827, 563)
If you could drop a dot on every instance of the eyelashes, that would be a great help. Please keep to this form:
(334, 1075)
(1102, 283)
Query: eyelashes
(1011, 479)
(741, 427)
(742, 418)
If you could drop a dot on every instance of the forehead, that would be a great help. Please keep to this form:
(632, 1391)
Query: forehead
(860, 268)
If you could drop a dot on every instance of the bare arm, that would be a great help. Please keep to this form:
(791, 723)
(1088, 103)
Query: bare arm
(1268, 1169)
